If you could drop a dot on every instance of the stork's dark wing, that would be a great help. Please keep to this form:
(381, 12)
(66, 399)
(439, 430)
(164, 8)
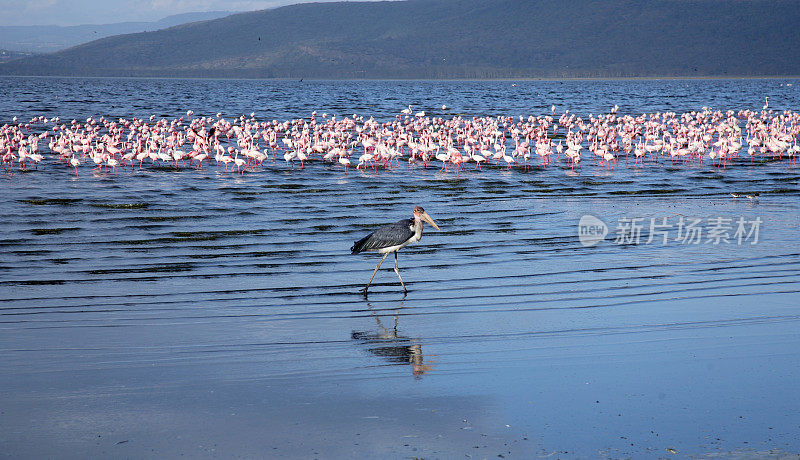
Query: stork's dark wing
(384, 237)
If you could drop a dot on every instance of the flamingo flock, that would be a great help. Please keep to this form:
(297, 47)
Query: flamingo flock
(246, 145)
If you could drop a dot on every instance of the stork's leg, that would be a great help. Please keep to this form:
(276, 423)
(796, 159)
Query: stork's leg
(396, 270)
(373, 273)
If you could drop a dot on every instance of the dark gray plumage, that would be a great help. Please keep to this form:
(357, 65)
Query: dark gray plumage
(393, 237)
(388, 235)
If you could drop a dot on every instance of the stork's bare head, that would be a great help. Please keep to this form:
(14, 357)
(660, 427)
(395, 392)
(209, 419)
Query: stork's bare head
(420, 214)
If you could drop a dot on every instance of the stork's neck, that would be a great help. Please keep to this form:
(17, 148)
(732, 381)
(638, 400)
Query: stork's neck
(416, 227)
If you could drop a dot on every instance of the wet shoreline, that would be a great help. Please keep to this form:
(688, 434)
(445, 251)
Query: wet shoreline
(210, 314)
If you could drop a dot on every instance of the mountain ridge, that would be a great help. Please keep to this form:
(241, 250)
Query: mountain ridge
(52, 38)
(455, 39)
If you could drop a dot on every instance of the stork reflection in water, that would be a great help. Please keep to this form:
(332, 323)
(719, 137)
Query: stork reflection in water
(390, 238)
(393, 347)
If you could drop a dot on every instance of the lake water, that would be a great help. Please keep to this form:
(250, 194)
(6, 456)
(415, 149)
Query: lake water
(203, 313)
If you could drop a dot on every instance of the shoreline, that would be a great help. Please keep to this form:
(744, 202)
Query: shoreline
(314, 79)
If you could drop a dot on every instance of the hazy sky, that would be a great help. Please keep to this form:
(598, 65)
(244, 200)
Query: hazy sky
(73, 12)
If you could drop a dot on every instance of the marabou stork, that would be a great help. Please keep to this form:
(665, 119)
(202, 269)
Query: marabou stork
(391, 238)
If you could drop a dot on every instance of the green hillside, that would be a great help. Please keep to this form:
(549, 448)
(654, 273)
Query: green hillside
(456, 39)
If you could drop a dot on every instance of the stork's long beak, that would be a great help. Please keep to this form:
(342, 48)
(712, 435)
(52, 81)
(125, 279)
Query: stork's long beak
(428, 219)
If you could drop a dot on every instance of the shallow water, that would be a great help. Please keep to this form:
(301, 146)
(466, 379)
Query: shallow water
(204, 313)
